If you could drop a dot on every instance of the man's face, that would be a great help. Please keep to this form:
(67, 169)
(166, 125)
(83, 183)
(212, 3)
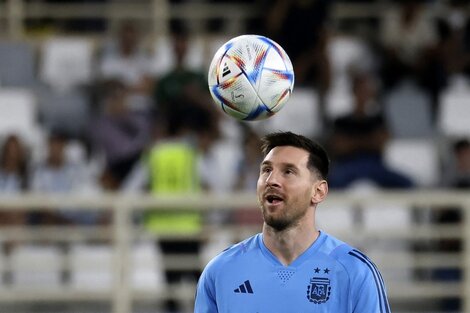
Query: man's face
(285, 187)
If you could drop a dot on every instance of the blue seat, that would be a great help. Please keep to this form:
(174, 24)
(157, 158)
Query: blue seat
(17, 64)
(408, 112)
(68, 111)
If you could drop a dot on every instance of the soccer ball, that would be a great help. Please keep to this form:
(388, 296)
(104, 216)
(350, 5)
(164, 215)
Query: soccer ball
(251, 77)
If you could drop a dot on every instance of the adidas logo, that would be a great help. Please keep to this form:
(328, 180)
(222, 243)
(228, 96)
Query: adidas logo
(244, 288)
(225, 70)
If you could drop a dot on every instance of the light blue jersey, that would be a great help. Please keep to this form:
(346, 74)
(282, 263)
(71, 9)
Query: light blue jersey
(330, 276)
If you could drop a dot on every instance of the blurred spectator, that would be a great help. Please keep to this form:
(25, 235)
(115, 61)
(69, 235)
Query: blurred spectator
(13, 166)
(56, 174)
(125, 59)
(459, 175)
(107, 181)
(301, 28)
(409, 39)
(170, 168)
(358, 140)
(13, 176)
(248, 166)
(209, 163)
(453, 48)
(119, 133)
(181, 95)
(454, 31)
(248, 172)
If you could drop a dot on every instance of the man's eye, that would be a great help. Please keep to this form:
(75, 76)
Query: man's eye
(266, 170)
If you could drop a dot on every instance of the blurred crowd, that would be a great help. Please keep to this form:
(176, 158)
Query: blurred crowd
(134, 124)
(138, 128)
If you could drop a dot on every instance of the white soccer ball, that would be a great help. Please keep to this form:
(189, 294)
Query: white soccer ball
(251, 77)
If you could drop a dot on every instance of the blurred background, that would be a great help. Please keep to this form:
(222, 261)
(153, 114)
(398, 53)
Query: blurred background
(120, 179)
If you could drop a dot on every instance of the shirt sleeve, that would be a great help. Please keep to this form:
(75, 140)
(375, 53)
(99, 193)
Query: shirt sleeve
(368, 289)
(205, 294)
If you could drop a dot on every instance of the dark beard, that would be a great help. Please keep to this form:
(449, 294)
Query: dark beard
(284, 221)
(277, 224)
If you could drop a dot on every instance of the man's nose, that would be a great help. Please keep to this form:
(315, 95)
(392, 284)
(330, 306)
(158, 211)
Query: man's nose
(273, 179)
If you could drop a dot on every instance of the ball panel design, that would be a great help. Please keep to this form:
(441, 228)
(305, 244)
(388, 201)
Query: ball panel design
(236, 94)
(251, 77)
(274, 61)
(275, 88)
(261, 111)
(227, 70)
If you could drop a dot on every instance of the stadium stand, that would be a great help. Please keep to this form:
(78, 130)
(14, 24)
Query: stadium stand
(49, 80)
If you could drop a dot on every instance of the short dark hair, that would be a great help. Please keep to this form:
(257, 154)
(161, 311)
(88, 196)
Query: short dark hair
(318, 158)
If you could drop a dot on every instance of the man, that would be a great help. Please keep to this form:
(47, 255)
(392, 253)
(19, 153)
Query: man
(291, 267)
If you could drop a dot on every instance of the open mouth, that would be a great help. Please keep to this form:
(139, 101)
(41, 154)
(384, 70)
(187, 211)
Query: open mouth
(274, 199)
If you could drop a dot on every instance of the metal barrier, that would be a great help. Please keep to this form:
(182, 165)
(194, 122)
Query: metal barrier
(380, 240)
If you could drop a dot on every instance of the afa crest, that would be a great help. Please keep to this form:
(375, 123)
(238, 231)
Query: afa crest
(319, 290)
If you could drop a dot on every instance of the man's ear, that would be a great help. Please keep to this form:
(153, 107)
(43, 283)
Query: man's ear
(319, 191)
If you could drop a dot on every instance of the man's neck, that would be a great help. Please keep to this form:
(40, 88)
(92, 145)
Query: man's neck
(287, 245)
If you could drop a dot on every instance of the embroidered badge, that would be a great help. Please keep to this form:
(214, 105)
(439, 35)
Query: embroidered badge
(319, 290)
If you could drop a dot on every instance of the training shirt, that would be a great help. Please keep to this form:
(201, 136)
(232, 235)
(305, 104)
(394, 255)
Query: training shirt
(330, 276)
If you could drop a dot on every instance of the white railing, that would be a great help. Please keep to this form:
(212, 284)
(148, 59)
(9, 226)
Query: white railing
(122, 231)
